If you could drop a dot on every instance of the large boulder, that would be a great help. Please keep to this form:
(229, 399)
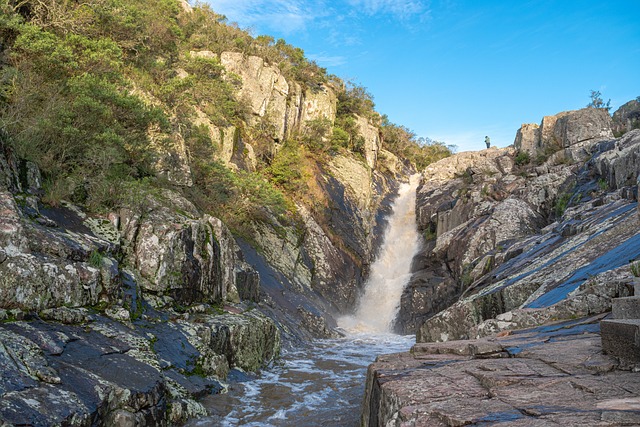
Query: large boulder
(510, 219)
(528, 138)
(178, 253)
(619, 164)
(574, 132)
(580, 130)
(627, 117)
(43, 263)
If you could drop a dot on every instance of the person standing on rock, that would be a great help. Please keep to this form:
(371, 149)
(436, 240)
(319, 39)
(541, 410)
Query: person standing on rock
(487, 141)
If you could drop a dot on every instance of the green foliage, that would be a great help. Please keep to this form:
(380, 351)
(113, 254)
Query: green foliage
(603, 184)
(205, 29)
(561, 204)
(634, 266)
(237, 198)
(404, 143)
(90, 91)
(346, 135)
(485, 191)
(339, 138)
(597, 101)
(286, 169)
(204, 87)
(315, 133)
(95, 259)
(355, 99)
(466, 279)
(522, 158)
(430, 233)
(69, 110)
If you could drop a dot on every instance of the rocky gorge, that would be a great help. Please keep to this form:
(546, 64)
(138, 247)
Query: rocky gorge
(130, 316)
(183, 206)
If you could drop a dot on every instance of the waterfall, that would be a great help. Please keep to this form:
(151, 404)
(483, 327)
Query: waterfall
(391, 271)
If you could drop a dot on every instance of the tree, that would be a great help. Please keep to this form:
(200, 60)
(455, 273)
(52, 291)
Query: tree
(597, 102)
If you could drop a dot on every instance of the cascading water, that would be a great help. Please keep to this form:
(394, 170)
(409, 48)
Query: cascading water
(391, 271)
(323, 384)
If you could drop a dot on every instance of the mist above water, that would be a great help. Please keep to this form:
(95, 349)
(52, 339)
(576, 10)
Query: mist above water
(391, 271)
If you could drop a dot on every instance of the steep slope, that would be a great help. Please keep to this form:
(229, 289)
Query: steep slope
(178, 199)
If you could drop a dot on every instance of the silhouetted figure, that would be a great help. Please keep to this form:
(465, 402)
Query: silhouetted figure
(487, 141)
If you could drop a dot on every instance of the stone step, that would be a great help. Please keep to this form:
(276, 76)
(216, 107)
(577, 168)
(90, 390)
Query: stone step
(621, 338)
(626, 308)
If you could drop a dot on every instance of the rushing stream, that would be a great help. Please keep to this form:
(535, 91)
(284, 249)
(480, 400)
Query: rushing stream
(322, 384)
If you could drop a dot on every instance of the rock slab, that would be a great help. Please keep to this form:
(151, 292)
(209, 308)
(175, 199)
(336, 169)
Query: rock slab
(547, 376)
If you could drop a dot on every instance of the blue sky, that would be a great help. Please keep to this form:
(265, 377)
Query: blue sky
(456, 71)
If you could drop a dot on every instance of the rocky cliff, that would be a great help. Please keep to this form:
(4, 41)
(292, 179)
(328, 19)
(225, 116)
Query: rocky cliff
(534, 236)
(127, 312)
(475, 206)
(158, 299)
(118, 319)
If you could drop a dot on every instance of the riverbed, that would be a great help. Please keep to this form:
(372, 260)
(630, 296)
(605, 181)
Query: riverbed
(321, 384)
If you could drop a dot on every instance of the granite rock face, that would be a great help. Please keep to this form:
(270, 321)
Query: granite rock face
(626, 118)
(284, 105)
(85, 341)
(539, 237)
(190, 258)
(101, 372)
(372, 140)
(505, 232)
(556, 375)
(574, 132)
(470, 207)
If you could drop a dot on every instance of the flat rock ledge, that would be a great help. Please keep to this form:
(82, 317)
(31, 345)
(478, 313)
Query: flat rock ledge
(555, 375)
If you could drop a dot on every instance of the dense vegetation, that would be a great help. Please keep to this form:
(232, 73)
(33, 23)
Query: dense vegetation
(91, 92)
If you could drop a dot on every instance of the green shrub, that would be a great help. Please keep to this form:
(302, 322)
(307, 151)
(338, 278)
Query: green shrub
(634, 266)
(286, 169)
(522, 158)
(339, 138)
(430, 234)
(237, 198)
(603, 184)
(95, 259)
(70, 111)
(561, 204)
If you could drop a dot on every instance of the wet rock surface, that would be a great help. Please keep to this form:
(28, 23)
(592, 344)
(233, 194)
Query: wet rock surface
(148, 372)
(85, 341)
(551, 375)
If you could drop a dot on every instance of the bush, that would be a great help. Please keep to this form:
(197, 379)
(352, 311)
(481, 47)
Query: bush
(339, 138)
(597, 101)
(286, 169)
(69, 110)
(239, 199)
(561, 204)
(522, 158)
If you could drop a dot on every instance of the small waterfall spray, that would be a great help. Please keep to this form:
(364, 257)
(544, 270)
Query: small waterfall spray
(391, 271)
